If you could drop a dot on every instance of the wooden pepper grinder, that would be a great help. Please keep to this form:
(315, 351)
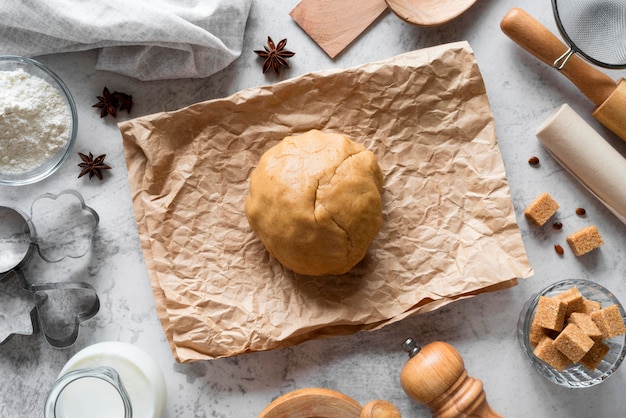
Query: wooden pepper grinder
(435, 375)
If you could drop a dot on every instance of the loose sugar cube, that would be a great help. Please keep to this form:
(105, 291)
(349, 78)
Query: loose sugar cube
(541, 209)
(610, 321)
(590, 306)
(586, 324)
(550, 313)
(573, 342)
(592, 359)
(573, 298)
(547, 351)
(585, 240)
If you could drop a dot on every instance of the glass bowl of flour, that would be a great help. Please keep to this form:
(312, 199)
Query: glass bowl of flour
(38, 121)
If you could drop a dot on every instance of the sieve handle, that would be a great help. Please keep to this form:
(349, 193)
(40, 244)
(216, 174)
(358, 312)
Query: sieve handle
(535, 38)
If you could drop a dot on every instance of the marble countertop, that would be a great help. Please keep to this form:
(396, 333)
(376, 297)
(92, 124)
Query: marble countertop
(523, 92)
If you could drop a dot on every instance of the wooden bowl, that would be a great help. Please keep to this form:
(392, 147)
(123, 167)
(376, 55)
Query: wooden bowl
(429, 12)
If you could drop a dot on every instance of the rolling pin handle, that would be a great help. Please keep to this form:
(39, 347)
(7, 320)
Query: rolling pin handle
(535, 38)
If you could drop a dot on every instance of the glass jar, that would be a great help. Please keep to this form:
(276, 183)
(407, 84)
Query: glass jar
(95, 392)
(110, 379)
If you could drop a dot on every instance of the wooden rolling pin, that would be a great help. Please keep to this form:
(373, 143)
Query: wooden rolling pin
(608, 96)
(435, 375)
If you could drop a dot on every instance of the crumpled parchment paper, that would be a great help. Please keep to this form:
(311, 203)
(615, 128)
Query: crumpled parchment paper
(449, 228)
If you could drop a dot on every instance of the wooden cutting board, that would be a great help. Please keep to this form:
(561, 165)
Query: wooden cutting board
(334, 24)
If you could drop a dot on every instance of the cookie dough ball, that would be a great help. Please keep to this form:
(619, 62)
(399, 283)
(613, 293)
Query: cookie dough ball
(315, 202)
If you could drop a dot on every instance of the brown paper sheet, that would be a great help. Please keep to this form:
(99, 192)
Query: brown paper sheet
(449, 228)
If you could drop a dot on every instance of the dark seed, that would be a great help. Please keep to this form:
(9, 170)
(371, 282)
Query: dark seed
(557, 225)
(533, 160)
(558, 249)
(580, 211)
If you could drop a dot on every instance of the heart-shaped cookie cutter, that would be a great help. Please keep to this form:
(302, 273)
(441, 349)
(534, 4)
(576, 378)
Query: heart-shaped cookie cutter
(59, 226)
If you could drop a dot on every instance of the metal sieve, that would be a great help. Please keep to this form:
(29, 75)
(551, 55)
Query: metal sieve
(593, 29)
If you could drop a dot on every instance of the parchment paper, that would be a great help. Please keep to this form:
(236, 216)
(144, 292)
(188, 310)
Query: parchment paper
(449, 228)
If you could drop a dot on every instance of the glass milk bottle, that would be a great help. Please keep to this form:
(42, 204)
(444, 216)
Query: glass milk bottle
(110, 379)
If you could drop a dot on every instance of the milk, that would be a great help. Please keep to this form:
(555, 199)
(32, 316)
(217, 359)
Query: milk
(90, 397)
(94, 398)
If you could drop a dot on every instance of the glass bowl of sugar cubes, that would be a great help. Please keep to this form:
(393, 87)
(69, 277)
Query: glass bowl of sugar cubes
(573, 333)
(38, 121)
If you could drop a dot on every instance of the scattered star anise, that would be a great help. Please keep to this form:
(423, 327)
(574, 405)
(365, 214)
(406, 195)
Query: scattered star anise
(275, 56)
(92, 166)
(109, 102)
(125, 100)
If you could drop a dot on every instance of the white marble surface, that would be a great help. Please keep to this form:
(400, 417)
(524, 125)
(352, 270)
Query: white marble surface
(365, 366)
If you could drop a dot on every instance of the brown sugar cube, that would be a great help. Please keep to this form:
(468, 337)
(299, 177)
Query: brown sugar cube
(586, 324)
(584, 240)
(541, 209)
(573, 342)
(592, 359)
(550, 313)
(536, 334)
(590, 306)
(573, 298)
(547, 351)
(610, 321)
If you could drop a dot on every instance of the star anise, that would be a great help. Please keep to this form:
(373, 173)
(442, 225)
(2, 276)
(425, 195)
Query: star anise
(107, 103)
(125, 100)
(92, 166)
(275, 56)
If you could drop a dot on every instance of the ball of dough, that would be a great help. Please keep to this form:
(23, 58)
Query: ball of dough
(315, 202)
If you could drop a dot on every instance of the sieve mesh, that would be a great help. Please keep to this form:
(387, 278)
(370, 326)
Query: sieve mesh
(595, 29)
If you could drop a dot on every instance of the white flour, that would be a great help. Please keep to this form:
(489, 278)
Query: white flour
(34, 121)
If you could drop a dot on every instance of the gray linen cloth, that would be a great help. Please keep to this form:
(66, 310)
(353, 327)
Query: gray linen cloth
(144, 39)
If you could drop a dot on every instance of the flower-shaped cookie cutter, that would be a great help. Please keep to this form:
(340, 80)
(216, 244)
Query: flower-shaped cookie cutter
(59, 226)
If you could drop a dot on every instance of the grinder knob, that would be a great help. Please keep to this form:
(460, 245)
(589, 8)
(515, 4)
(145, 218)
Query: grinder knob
(435, 375)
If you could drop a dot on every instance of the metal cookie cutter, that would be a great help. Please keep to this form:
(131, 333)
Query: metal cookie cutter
(59, 226)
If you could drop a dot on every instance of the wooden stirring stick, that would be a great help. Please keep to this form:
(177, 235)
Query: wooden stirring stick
(333, 24)
(435, 375)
